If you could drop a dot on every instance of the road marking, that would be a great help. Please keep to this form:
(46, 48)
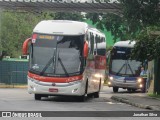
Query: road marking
(111, 103)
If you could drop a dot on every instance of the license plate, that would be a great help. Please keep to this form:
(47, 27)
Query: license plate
(53, 90)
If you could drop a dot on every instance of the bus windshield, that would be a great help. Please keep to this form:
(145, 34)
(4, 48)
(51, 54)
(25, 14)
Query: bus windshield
(121, 64)
(57, 55)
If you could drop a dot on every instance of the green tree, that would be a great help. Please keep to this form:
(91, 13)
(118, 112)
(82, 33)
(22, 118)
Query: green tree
(143, 16)
(15, 28)
(135, 16)
(112, 22)
(67, 16)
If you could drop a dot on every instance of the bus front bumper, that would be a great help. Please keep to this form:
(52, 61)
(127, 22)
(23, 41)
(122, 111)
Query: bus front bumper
(75, 88)
(134, 85)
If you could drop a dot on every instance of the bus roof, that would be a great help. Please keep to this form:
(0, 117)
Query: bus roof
(127, 43)
(61, 27)
(96, 31)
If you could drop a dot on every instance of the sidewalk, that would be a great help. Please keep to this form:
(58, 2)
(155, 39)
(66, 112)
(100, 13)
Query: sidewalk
(141, 101)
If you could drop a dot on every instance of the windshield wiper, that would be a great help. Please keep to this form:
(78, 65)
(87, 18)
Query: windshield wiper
(59, 59)
(130, 69)
(127, 65)
(48, 63)
(121, 68)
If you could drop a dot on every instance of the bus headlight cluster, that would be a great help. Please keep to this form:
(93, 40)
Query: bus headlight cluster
(140, 85)
(98, 75)
(110, 78)
(109, 83)
(139, 80)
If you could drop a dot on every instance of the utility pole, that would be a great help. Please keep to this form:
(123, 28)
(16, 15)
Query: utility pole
(0, 32)
(156, 69)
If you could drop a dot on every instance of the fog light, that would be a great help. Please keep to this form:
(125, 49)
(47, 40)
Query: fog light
(111, 78)
(139, 80)
(31, 86)
(75, 90)
(97, 75)
(109, 83)
(140, 85)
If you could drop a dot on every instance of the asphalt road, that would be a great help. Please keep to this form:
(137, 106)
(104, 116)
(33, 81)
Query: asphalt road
(14, 99)
(19, 100)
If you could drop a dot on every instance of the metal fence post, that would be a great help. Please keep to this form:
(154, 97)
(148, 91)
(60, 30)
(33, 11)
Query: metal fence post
(0, 31)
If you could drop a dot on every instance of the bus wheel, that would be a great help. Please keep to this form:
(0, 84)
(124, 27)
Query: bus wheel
(37, 97)
(143, 90)
(115, 89)
(96, 94)
(82, 98)
(134, 90)
(90, 95)
(129, 89)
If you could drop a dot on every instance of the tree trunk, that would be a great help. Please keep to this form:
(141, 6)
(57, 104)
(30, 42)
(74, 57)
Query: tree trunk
(157, 76)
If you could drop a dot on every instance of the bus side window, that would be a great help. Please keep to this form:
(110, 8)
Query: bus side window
(97, 38)
(91, 43)
(87, 36)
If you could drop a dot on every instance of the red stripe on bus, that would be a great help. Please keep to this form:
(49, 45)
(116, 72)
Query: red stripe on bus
(55, 79)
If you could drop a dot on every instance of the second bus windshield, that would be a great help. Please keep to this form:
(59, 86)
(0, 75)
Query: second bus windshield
(121, 64)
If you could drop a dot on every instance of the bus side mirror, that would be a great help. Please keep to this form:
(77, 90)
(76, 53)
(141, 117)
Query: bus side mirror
(25, 46)
(85, 49)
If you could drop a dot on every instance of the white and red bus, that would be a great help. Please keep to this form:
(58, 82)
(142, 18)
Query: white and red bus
(66, 58)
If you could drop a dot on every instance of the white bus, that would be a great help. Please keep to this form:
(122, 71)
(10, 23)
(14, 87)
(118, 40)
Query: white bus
(123, 71)
(66, 58)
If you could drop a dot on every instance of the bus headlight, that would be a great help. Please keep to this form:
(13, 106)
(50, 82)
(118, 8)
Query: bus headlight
(140, 85)
(139, 80)
(109, 83)
(97, 75)
(111, 78)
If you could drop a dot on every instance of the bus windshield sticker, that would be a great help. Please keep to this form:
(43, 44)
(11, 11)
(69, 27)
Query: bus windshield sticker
(48, 37)
(33, 40)
(123, 52)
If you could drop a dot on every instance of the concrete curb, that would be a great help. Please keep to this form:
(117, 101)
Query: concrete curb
(13, 86)
(124, 100)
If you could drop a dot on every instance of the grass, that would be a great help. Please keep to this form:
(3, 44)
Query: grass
(154, 95)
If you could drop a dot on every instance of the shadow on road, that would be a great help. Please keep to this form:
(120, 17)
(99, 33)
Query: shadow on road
(74, 99)
(120, 92)
(65, 99)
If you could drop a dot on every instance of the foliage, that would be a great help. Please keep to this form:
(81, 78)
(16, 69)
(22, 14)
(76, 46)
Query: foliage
(111, 22)
(143, 16)
(147, 45)
(67, 16)
(127, 23)
(154, 95)
(135, 21)
(140, 13)
(15, 28)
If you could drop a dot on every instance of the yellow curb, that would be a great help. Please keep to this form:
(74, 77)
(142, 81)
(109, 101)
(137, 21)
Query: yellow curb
(13, 86)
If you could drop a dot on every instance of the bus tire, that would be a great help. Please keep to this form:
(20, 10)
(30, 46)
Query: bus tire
(143, 90)
(37, 96)
(129, 90)
(96, 94)
(134, 90)
(115, 89)
(90, 95)
(83, 97)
